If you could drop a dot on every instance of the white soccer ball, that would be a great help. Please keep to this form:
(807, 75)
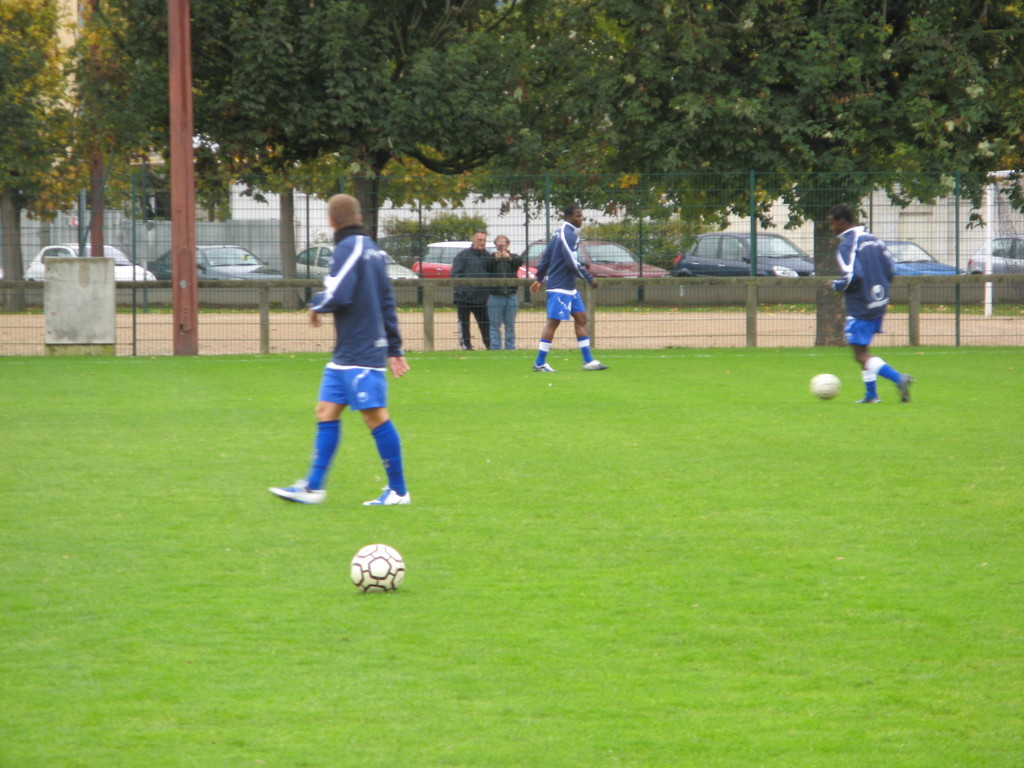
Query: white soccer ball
(377, 568)
(825, 385)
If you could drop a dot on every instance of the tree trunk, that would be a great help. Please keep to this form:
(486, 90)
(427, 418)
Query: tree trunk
(286, 233)
(97, 184)
(10, 229)
(367, 189)
(829, 326)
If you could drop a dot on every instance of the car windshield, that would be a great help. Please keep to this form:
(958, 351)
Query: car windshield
(904, 252)
(777, 248)
(534, 252)
(112, 253)
(609, 253)
(441, 255)
(231, 257)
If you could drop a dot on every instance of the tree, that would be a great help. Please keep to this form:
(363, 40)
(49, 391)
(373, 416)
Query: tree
(281, 84)
(802, 89)
(34, 120)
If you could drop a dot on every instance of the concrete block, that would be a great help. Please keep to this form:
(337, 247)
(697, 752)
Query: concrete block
(79, 303)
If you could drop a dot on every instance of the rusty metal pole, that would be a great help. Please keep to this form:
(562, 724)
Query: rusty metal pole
(96, 180)
(184, 293)
(96, 189)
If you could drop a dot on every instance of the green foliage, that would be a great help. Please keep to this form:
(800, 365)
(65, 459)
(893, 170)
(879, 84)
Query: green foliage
(840, 87)
(578, 90)
(734, 575)
(35, 124)
(409, 238)
(35, 116)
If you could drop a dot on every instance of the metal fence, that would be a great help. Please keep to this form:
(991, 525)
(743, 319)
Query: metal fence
(654, 218)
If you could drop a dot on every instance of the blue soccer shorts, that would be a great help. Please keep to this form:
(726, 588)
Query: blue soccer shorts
(861, 332)
(562, 306)
(358, 388)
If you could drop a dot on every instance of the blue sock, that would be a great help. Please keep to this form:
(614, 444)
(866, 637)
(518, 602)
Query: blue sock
(584, 343)
(328, 436)
(542, 351)
(890, 373)
(390, 449)
(870, 386)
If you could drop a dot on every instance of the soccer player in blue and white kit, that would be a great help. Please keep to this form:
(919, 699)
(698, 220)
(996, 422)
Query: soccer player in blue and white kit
(357, 293)
(866, 268)
(561, 265)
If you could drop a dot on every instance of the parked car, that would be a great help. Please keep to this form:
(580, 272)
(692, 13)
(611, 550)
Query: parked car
(601, 258)
(721, 254)
(315, 262)
(909, 259)
(437, 261)
(124, 269)
(1006, 255)
(221, 262)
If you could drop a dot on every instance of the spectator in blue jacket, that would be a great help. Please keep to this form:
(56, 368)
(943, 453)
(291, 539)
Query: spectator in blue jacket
(866, 268)
(357, 294)
(560, 264)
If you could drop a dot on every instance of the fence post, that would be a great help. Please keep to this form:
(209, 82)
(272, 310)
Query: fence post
(914, 314)
(428, 314)
(956, 250)
(752, 212)
(640, 293)
(752, 313)
(264, 292)
(547, 204)
(590, 302)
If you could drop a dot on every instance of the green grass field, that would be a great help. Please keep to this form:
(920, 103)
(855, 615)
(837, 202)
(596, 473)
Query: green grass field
(683, 561)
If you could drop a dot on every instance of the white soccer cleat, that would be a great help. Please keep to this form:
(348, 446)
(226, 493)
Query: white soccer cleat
(595, 365)
(544, 368)
(300, 492)
(388, 499)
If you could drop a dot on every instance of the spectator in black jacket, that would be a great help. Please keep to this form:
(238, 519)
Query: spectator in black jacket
(472, 300)
(503, 304)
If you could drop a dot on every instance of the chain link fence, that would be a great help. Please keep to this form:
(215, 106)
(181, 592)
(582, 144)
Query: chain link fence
(645, 234)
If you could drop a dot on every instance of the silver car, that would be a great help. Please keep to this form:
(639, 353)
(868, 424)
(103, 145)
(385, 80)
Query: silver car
(1002, 254)
(315, 262)
(124, 269)
(221, 262)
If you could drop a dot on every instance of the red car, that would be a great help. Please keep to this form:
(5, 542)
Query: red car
(437, 261)
(602, 258)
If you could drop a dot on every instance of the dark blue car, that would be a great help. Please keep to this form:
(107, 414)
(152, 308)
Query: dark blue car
(911, 259)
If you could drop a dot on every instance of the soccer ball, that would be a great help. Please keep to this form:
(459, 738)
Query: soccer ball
(825, 385)
(377, 568)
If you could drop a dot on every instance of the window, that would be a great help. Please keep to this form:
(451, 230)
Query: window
(733, 249)
(608, 253)
(707, 248)
(1002, 247)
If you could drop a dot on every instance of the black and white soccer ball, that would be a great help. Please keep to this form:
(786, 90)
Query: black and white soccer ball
(825, 385)
(377, 568)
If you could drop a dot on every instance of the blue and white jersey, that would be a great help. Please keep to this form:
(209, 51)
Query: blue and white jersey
(560, 262)
(866, 267)
(357, 291)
